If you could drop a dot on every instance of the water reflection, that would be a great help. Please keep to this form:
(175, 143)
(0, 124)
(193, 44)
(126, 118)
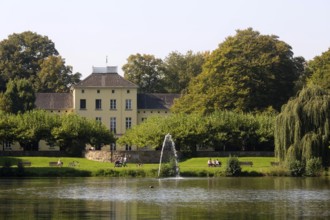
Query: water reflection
(199, 198)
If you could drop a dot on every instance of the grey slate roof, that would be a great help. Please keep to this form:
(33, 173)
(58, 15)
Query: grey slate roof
(156, 100)
(105, 80)
(57, 101)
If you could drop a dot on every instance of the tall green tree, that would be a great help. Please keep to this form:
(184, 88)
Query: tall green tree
(55, 76)
(181, 68)
(24, 55)
(20, 55)
(302, 129)
(319, 70)
(146, 71)
(19, 97)
(247, 72)
(7, 128)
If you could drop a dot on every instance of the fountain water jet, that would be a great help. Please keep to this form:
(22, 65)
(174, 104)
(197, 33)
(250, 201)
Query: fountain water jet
(168, 139)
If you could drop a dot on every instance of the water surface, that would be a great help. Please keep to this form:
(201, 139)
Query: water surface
(177, 198)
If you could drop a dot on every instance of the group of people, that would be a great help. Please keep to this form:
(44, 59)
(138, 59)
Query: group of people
(121, 162)
(213, 163)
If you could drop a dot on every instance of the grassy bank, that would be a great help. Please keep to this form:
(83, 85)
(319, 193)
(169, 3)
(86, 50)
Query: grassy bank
(194, 167)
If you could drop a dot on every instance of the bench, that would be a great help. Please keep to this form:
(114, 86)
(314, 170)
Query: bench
(215, 165)
(246, 163)
(274, 163)
(24, 163)
(120, 164)
(55, 164)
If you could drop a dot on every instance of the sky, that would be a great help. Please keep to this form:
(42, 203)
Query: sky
(87, 32)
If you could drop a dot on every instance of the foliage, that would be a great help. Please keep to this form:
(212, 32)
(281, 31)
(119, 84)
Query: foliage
(319, 70)
(233, 167)
(70, 132)
(55, 76)
(222, 130)
(302, 128)
(75, 132)
(314, 167)
(33, 57)
(146, 71)
(19, 97)
(7, 128)
(247, 72)
(181, 68)
(296, 167)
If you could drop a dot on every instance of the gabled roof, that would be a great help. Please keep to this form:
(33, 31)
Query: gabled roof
(105, 77)
(57, 101)
(156, 100)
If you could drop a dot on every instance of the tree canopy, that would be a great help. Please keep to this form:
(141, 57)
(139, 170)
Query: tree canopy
(247, 72)
(146, 71)
(18, 98)
(181, 68)
(319, 70)
(221, 130)
(302, 129)
(31, 56)
(70, 132)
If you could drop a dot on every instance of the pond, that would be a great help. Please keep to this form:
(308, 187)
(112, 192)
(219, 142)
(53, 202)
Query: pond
(177, 198)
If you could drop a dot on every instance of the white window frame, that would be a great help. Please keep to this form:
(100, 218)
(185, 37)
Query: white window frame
(128, 104)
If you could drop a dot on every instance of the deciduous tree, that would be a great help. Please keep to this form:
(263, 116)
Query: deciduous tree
(146, 71)
(31, 56)
(302, 128)
(319, 70)
(181, 68)
(247, 72)
(19, 97)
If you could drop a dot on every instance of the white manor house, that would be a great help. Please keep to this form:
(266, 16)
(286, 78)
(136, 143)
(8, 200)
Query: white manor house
(106, 97)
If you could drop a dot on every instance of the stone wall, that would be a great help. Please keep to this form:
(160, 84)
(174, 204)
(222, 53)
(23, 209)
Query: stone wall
(132, 156)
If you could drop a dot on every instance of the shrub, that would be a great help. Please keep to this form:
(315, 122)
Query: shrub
(167, 170)
(233, 167)
(314, 167)
(296, 168)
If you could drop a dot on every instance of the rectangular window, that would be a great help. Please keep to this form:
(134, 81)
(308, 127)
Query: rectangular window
(82, 103)
(113, 91)
(128, 147)
(128, 122)
(113, 104)
(7, 145)
(128, 104)
(143, 119)
(113, 124)
(98, 104)
(98, 119)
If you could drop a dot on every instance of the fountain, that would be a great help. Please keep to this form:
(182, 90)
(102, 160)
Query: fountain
(168, 139)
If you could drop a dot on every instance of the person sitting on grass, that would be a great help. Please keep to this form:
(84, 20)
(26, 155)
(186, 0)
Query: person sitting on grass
(210, 163)
(59, 163)
(216, 163)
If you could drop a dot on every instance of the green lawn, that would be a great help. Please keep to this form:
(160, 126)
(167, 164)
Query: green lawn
(193, 166)
(260, 164)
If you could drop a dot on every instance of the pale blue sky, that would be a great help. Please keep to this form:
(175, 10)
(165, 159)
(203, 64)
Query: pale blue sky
(85, 32)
